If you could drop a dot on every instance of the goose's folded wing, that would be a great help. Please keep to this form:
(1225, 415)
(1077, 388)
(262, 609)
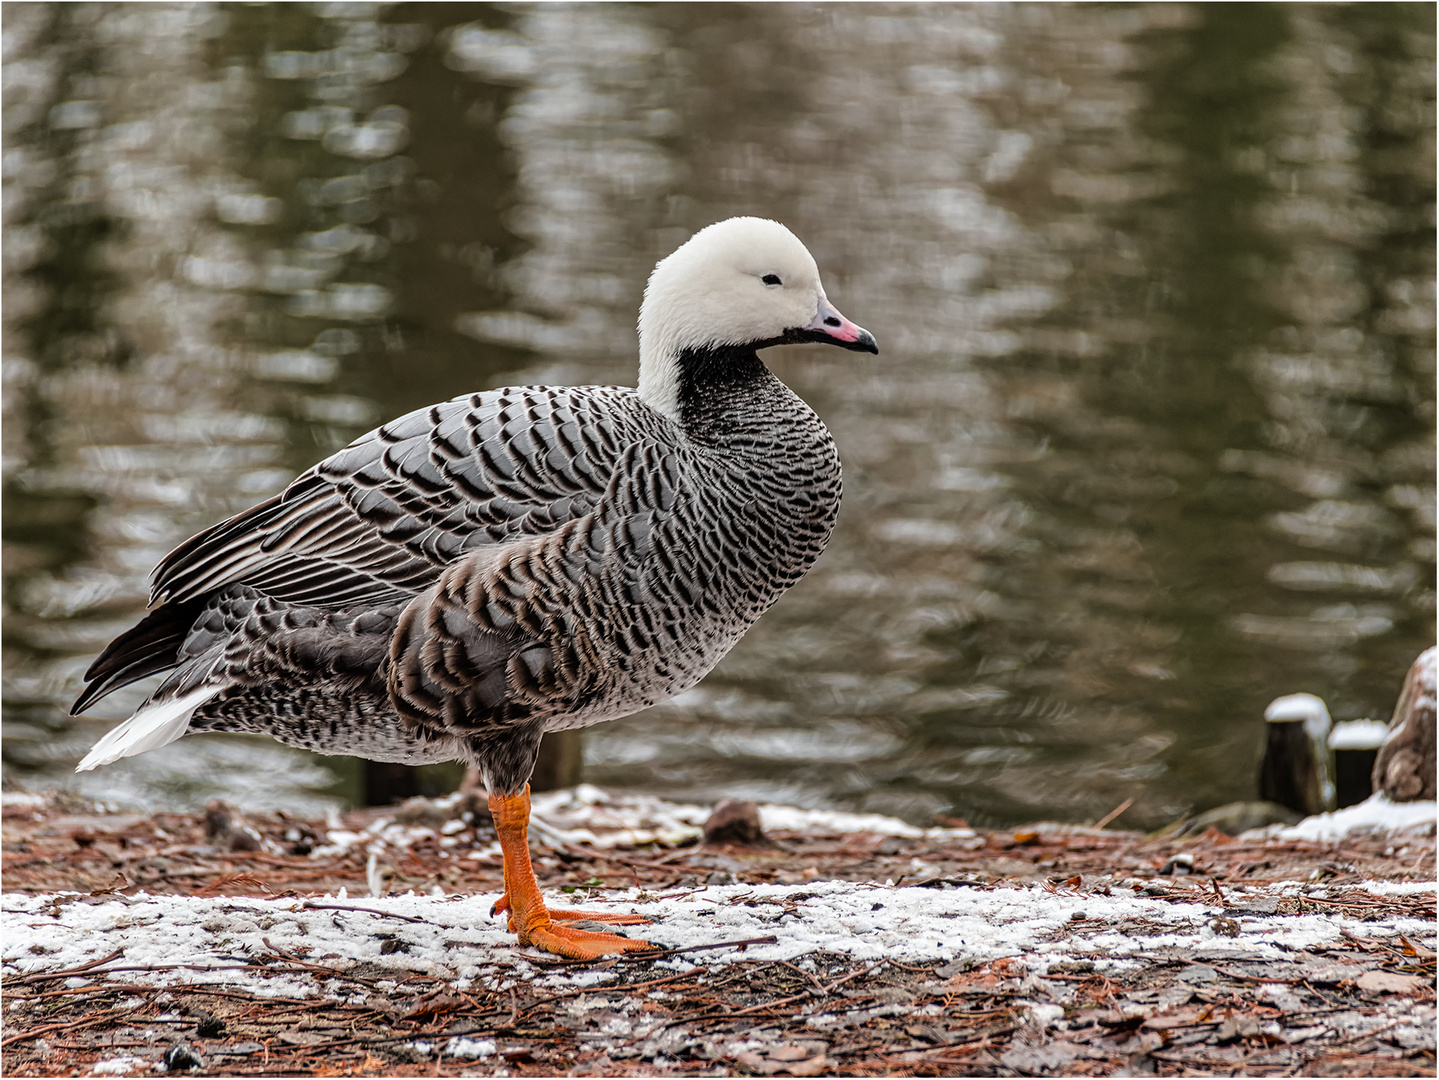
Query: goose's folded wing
(545, 626)
(381, 518)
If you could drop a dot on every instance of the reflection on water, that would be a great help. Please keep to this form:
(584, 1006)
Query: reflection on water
(1150, 440)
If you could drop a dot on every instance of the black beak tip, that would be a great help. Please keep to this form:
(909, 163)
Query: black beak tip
(866, 343)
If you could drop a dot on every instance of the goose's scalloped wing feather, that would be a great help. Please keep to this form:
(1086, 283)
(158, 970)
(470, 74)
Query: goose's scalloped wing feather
(380, 519)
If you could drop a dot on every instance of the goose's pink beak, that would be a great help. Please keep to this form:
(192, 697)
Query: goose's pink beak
(830, 326)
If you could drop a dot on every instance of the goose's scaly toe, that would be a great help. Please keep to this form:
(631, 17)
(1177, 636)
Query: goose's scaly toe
(578, 944)
(565, 915)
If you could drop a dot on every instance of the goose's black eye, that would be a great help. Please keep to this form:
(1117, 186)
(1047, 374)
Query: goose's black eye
(771, 279)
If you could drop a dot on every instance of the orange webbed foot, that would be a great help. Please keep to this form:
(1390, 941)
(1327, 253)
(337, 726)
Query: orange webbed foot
(577, 944)
(536, 925)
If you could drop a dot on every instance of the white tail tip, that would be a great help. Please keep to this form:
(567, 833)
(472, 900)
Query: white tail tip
(154, 725)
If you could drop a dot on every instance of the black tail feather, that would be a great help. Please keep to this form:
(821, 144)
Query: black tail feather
(151, 645)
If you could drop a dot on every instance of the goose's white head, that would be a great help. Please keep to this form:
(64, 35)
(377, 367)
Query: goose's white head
(746, 282)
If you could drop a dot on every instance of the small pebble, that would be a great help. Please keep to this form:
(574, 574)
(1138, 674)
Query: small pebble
(735, 821)
(208, 1027)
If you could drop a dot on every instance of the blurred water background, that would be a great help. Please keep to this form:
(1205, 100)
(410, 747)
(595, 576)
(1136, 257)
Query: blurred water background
(1150, 439)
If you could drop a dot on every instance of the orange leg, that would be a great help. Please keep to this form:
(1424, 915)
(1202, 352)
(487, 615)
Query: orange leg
(529, 918)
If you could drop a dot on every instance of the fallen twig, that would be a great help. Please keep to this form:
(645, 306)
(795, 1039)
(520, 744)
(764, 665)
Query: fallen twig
(311, 905)
(35, 1033)
(769, 939)
(1107, 818)
(40, 976)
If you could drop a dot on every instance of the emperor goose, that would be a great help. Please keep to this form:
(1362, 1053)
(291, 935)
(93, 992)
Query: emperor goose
(456, 583)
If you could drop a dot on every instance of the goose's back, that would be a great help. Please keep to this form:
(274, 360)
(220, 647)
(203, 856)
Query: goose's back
(383, 517)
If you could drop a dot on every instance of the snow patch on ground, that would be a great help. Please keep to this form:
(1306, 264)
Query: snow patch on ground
(1374, 814)
(837, 823)
(1398, 888)
(470, 1048)
(120, 1066)
(172, 940)
(589, 815)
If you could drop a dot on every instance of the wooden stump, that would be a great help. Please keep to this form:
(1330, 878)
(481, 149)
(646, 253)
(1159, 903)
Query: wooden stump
(1404, 769)
(1294, 770)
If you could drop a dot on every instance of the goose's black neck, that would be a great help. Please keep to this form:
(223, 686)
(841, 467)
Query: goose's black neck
(716, 383)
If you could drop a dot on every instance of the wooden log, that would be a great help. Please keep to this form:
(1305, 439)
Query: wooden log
(1404, 769)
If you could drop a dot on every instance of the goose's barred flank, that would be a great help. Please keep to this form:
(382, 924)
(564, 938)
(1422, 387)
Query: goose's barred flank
(471, 575)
